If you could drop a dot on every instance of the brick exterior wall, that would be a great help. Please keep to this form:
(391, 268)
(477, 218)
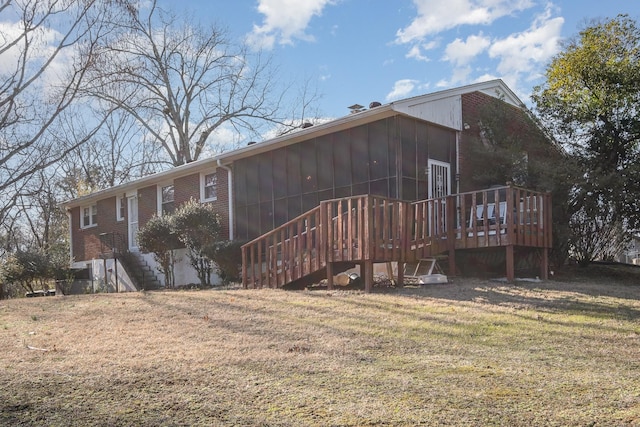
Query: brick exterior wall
(188, 187)
(222, 202)
(147, 204)
(86, 243)
(519, 126)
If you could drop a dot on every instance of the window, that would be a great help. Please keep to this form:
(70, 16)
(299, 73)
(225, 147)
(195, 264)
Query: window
(209, 187)
(89, 216)
(166, 199)
(121, 207)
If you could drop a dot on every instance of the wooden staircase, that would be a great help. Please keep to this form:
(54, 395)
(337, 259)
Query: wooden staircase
(363, 230)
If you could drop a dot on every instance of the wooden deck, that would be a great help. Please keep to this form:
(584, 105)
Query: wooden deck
(368, 229)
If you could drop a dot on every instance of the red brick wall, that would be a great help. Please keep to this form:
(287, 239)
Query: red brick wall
(86, 242)
(147, 204)
(188, 187)
(222, 204)
(519, 126)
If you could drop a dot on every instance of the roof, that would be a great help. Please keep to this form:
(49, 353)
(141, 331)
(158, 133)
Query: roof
(156, 178)
(434, 107)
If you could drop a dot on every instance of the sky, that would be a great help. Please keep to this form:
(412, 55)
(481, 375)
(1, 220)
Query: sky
(359, 51)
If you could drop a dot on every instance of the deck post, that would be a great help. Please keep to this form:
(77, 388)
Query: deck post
(400, 282)
(544, 264)
(511, 276)
(245, 278)
(452, 262)
(329, 275)
(368, 275)
(451, 233)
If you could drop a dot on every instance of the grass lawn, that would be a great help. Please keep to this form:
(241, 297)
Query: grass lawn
(472, 352)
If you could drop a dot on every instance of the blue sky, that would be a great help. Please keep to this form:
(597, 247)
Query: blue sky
(358, 51)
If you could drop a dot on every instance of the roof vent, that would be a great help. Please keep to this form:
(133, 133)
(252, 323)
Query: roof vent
(374, 104)
(251, 142)
(356, 108)
(306, 125)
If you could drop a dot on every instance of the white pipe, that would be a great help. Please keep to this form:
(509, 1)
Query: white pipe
(230, 196)
(69, 217)
(457, 162)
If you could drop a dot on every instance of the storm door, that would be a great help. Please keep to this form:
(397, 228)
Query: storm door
(439, 184)
(132, 209)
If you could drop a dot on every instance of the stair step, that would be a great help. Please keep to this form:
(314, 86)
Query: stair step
(141, 272)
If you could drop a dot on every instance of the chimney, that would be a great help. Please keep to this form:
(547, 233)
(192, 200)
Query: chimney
(356, 108)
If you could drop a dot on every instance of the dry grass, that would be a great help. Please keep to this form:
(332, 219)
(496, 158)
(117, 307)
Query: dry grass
(468, 353)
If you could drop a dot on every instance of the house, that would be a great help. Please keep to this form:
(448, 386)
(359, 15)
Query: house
(103, 225)
(393, 155)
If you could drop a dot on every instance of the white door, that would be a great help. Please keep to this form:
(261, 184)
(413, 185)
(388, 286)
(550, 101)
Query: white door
(439, 186)
(439, 179)
(132, 209)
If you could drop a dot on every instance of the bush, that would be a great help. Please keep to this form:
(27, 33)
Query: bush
(158, 236)
(29, 269)
(198, 228)
(227, 255)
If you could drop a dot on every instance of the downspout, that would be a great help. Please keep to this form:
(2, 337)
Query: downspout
(457, 176)
(230, 196)
(70, 219)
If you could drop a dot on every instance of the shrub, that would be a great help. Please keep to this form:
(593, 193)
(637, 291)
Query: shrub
(159, 237)
(28, 269)
(227, 255)
(198, 228)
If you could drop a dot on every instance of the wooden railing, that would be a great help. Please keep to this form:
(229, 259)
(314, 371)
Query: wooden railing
(285, 253)
(365, 227)
(372, 228)
(503, 216)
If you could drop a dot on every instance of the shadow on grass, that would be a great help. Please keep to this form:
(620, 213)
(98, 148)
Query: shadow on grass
(595, 298)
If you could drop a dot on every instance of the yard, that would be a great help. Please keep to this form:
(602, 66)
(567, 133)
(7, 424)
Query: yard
(472, 352)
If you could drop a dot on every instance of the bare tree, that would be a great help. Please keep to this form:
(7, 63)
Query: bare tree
(116, 154)
(183, 83)
(45, 47)
(44, 223)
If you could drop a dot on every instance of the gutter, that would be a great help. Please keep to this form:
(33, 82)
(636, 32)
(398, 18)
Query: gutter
(230, 195)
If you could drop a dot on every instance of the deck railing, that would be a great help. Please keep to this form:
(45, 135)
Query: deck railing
(372, 228)
(285, 253)
(503, 216)
(365, 227)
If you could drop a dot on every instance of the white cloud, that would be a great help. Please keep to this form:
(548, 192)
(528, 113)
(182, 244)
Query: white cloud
(284, 21)
(401, 89)
(416, 53)
(41, 45)
(518, 57)
(416, 50)
(526, 52)
(42, 48)
(461, 52)
(435, 16)
(459, 76)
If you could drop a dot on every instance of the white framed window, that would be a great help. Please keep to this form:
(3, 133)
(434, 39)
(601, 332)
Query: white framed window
(89, 216)
(209, 187)
(166, 195)
(121, 207)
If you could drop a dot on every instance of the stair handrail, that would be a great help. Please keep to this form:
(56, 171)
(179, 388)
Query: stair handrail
(512, 215)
